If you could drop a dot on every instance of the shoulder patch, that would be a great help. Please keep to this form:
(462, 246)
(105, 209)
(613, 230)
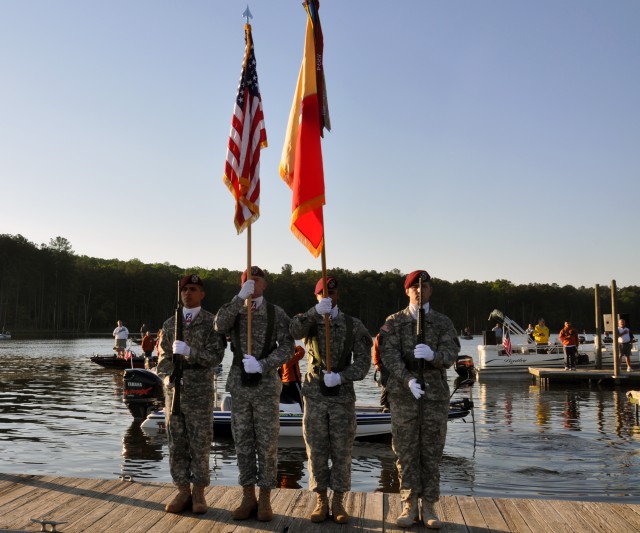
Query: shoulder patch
(385, 327)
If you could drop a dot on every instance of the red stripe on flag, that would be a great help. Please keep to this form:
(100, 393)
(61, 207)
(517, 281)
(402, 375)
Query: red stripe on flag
(247, 137)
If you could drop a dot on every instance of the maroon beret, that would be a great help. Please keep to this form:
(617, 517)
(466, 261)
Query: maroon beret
(255, 272)
(332, 283)
(412, 279)
(192, 279)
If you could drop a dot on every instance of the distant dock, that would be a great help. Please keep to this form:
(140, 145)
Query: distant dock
(96, 505)
(546, 376)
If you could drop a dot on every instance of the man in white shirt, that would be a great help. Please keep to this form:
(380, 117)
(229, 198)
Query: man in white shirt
(625, 342)
(121, 335)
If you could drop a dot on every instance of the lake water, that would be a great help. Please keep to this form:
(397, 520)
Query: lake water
(61, 414)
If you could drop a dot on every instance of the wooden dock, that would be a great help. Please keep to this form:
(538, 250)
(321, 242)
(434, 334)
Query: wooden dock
(96, 505)
(591, 376)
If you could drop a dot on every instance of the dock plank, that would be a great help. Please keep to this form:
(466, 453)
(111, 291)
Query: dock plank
(533, 520)
(492, 515)
(450, 515)
(57, 503)
(629, 512)
(98, 505)
(575, 518)
(370, 517)
(515, 521)
(471, 512)
(603, 519)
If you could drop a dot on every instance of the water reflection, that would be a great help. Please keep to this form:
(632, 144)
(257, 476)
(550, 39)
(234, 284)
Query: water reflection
(571, 411)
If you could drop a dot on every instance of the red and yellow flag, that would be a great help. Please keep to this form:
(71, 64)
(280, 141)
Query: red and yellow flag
(301, 163)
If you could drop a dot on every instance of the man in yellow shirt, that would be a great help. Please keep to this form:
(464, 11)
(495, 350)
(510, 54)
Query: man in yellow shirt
(541, 333)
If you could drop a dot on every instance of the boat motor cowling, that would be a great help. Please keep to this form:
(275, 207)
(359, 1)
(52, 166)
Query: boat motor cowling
(143, 391)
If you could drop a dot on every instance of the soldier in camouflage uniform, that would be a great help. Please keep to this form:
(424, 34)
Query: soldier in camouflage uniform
(419, 417)
(191, 431)
(329, 421)
(255, 387)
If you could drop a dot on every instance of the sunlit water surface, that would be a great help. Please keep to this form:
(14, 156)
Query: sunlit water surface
(61, 414)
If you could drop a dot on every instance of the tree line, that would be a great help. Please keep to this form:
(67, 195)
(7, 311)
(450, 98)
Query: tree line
(48, 290)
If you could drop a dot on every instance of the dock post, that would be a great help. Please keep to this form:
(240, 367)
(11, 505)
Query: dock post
(614, 319)
(598, 339)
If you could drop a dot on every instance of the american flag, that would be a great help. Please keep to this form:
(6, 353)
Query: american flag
(247, 137)
(506, 342)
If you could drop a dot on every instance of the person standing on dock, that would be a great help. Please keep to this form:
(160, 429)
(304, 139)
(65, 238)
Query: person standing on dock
(329, 420)
(625, 342)
(121, 334)
(255, 388)
(190, 430)
(419, 421)
(569, 338)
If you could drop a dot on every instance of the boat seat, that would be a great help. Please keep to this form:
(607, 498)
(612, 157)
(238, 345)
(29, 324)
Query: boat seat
(226, 403)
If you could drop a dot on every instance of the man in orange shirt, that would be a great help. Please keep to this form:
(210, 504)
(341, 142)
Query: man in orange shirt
(569, 338)
(292, 378)
(384, 375)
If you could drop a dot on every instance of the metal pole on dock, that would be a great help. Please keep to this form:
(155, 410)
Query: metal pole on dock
(614, 320)
(598, 339)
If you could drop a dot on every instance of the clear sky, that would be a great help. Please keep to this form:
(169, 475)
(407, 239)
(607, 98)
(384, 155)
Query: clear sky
(480, 140)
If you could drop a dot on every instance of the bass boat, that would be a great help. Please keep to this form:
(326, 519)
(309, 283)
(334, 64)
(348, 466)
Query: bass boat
(143, 395)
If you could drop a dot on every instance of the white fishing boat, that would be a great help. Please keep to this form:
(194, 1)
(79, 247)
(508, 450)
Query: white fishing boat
(495, 359)
(5, 335)
(143, 395)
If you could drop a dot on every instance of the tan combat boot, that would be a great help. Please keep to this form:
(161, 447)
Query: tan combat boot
(265, 513)
(181, 501)
(409, 512)
(198, 501)
(429, 516)
(248, 505)
(337, 508)
(321, 511)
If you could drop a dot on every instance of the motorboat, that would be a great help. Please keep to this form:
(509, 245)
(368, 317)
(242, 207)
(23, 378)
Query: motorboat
(464, 366)
(129, 360)
(5, 335)
(495, 359)
(143, 393)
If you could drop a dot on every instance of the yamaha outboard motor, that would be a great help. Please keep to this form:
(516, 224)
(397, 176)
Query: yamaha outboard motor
(143, 391)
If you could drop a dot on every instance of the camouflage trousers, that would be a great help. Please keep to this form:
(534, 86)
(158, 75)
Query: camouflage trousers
(329, 429)
(419, 431)
(255, 424)
(190, 434)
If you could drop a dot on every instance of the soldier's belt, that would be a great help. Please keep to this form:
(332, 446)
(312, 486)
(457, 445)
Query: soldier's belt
(192, 366)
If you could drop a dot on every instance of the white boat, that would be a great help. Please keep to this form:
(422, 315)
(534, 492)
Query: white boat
(371, 421)
(143, 396)
(5, 335)
(493, 359)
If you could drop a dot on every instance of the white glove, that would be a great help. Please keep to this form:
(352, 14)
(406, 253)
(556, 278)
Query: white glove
(251, 364)
(323, 307)
(416, 390)
(423, 351)
(247, 289)
(331, 379)
(168, 383)
(181, 348)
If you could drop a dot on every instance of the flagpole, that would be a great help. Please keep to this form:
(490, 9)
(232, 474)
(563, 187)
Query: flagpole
(250, 299)
(325, 294)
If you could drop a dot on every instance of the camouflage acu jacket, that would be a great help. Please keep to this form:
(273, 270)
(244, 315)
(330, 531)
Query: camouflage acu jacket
(207, 348)
(398, 340)
(310, 327)
(234, 314)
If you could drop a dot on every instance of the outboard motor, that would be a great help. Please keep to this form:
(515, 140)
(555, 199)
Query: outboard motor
(143, 391)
